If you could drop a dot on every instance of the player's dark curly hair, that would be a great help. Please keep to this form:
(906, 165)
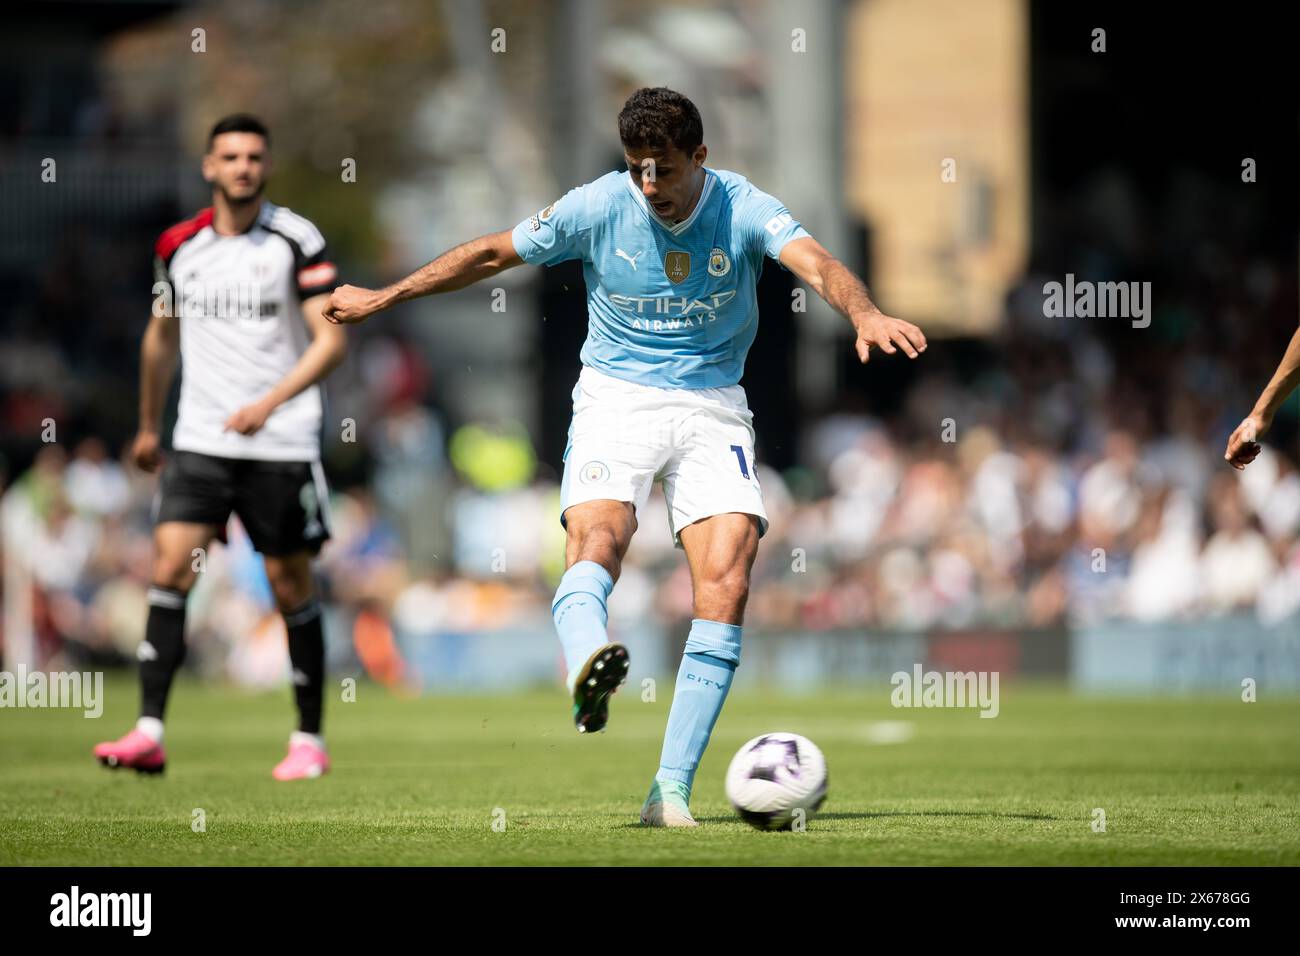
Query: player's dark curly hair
(240, 123)
(656, 117)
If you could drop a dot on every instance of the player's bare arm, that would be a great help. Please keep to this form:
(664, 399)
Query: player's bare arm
(322, 356)
(158, 354)
(847, 294)
(1243, 444)
(455, 269)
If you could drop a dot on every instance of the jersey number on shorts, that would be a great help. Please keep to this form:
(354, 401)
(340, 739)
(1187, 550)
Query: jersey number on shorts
(740, 457)
(310, 507)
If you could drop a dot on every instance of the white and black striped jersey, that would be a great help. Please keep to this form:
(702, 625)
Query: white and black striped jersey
(238, 300)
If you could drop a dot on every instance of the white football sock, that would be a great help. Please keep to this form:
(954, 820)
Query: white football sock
(316, 740)
(151, 727)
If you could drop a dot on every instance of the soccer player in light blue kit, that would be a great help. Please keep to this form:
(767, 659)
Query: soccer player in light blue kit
(671, 252)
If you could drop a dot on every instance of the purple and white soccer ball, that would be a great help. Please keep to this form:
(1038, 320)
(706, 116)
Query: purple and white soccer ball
(774, 777)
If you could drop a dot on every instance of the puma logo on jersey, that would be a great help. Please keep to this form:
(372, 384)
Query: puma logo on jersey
(631, 260)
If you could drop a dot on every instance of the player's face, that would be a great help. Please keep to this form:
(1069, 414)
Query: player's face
(668, 178)
(237, 164)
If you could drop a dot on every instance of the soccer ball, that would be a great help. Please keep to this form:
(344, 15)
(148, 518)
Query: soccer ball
(775, 776)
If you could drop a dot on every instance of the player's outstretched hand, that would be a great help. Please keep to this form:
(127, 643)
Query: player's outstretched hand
(1243, 444)
(350, 304)
(887, 334)
(248, 419)
(145, 451)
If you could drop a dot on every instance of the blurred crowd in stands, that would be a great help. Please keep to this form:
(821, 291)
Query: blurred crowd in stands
(1053, 480)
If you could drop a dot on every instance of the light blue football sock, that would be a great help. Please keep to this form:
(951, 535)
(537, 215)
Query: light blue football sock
(580, 612)
(708, 665)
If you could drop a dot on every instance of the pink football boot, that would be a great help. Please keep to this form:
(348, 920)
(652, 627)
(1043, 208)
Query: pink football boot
(136, 751)
(305, 761)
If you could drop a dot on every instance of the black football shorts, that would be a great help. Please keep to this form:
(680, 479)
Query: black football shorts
(283, 505)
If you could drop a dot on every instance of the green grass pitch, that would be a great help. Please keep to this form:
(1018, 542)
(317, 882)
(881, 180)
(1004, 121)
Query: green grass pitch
(1182, 781)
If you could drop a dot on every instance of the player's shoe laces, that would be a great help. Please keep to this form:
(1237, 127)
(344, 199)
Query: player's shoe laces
(666, 806)
(305, 761)
(592, 684)
(136, 751)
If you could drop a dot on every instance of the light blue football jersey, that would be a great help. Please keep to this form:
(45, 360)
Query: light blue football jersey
(669, 305)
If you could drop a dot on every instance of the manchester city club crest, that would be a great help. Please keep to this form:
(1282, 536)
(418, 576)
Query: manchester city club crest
(677, 266)
(719, 264)
(594, 472)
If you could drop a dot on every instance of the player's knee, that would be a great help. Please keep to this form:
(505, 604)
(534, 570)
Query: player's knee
(603, 540)
(722, 594)
(599, 544)
(174, 571)
(291, 584)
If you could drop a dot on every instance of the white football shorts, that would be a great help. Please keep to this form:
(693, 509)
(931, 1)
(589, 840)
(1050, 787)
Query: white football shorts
(698, 441)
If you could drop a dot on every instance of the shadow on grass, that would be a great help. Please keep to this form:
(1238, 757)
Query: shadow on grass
(885, 813)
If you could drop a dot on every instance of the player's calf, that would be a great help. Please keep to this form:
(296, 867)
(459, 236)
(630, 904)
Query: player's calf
(161, 654)
(595, 665)
(291, 582)
(703, 681)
